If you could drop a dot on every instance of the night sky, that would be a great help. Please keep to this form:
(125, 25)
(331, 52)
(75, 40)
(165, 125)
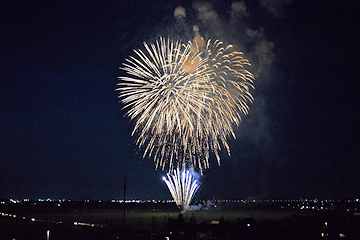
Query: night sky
(64, 133)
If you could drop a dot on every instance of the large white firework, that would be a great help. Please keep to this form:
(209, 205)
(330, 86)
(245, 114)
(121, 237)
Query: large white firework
(185, 99)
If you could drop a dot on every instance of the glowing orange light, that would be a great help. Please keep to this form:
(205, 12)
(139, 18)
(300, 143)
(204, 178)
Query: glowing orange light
(199, 41)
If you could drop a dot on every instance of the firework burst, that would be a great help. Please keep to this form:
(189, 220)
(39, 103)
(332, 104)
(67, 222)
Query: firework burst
(182, 185)
(185, 99)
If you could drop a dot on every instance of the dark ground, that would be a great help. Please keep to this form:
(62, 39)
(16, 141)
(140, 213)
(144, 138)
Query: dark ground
(158, 221)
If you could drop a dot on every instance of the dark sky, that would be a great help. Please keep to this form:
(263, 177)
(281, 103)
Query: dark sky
(63, 132)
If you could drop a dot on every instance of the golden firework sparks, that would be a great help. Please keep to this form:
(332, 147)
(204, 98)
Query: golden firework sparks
(185, 99)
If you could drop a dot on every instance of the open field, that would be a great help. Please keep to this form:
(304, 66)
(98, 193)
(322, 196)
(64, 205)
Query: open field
(147, 216)
(94, 220)
(147, 219)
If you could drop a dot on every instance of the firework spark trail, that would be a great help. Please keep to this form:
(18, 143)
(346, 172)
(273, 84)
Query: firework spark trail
(185, 99)
(182, 185)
